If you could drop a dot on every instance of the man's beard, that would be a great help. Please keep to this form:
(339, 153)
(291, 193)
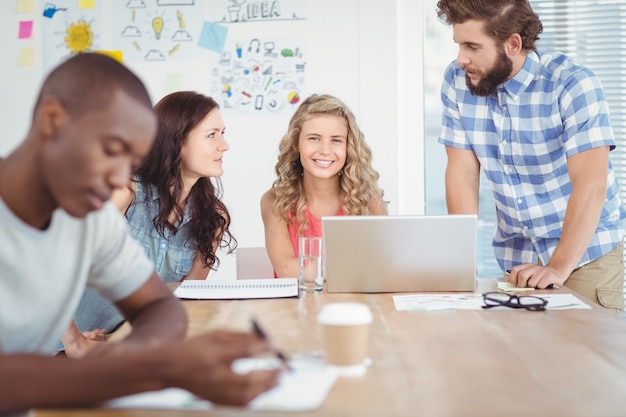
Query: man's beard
(497, 75)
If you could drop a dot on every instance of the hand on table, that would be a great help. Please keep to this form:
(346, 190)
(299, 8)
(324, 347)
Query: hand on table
(535, 276)
(78, 345)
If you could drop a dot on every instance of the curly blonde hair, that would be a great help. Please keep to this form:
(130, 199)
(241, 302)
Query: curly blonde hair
(357, 179)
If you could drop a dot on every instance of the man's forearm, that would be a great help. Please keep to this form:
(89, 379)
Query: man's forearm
(580, 223)
(588, 172)
(162, 321)
(30, 380)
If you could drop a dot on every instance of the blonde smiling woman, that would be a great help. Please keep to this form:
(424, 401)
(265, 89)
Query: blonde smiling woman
(324, 168)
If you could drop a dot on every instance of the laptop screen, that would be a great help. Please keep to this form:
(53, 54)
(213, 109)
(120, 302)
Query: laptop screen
(400, 253)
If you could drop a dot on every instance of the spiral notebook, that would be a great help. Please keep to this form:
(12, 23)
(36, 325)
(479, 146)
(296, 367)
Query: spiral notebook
(237, 289)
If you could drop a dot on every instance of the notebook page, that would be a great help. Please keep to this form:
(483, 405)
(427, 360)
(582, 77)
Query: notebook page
(238, 289)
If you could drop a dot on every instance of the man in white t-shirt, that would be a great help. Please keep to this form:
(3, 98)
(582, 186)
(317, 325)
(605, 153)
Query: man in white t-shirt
(92, 122)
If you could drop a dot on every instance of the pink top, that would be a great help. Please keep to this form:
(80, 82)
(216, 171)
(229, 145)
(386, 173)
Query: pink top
(314, 229)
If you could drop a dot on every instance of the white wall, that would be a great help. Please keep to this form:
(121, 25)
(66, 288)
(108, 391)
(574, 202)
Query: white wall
(367, 52)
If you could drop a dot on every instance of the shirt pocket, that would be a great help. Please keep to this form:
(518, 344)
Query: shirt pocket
(183, 266)
(610, 298)
(146, 249)
(539, 156)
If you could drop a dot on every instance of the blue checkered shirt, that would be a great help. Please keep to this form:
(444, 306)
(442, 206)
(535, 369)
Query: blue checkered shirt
(522, 135)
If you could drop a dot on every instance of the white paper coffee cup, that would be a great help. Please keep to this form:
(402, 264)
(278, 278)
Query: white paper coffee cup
(345, 328)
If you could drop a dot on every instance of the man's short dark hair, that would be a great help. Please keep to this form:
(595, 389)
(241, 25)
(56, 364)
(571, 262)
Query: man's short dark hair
(87, 82)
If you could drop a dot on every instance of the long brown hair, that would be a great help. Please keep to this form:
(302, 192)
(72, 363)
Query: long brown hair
(178, 114)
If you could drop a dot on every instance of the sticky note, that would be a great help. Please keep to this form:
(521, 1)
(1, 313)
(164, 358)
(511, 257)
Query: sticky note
(86, 4)
(118, 55)
(26, 29)
(507, 286)
(27, 57)
(213, 36)
(26, 6)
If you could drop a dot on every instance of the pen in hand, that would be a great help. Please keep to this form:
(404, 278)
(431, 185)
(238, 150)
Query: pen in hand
(549, 287)
(261, 334)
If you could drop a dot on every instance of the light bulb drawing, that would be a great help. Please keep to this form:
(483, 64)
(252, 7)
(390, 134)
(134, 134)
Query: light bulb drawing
(158, 33)
(157, 26)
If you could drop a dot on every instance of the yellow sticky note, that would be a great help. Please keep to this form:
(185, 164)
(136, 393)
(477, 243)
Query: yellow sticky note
(86, 4)
(113, 54)
(27, 57)
(507, 286)
(26, 6)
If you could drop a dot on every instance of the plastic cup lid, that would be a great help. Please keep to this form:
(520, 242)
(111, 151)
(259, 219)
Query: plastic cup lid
(345, 314)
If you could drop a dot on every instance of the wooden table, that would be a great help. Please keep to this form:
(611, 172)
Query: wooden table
(447, 363)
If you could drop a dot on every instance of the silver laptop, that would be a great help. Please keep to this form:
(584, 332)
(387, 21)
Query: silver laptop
(400, 253)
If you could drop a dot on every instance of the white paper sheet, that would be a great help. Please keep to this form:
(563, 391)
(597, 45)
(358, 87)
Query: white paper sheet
(438, 302)
(303, 389)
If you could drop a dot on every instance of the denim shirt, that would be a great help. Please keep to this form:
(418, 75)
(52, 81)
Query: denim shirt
(171, 255)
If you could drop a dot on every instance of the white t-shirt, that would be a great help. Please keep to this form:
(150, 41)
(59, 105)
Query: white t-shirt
(43, 273)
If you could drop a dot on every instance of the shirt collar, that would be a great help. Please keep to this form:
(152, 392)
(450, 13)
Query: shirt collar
(521, 81)
(154, 195)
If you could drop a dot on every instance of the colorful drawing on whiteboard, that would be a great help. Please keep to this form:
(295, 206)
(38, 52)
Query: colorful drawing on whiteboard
(241, 11)
(68, 30)
(259, 75)
(79, 37)
(157, 30)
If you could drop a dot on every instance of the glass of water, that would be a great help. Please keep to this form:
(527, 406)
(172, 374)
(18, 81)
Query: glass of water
(311, 258)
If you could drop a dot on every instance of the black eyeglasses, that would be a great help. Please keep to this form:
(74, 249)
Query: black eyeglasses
(502, 299)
